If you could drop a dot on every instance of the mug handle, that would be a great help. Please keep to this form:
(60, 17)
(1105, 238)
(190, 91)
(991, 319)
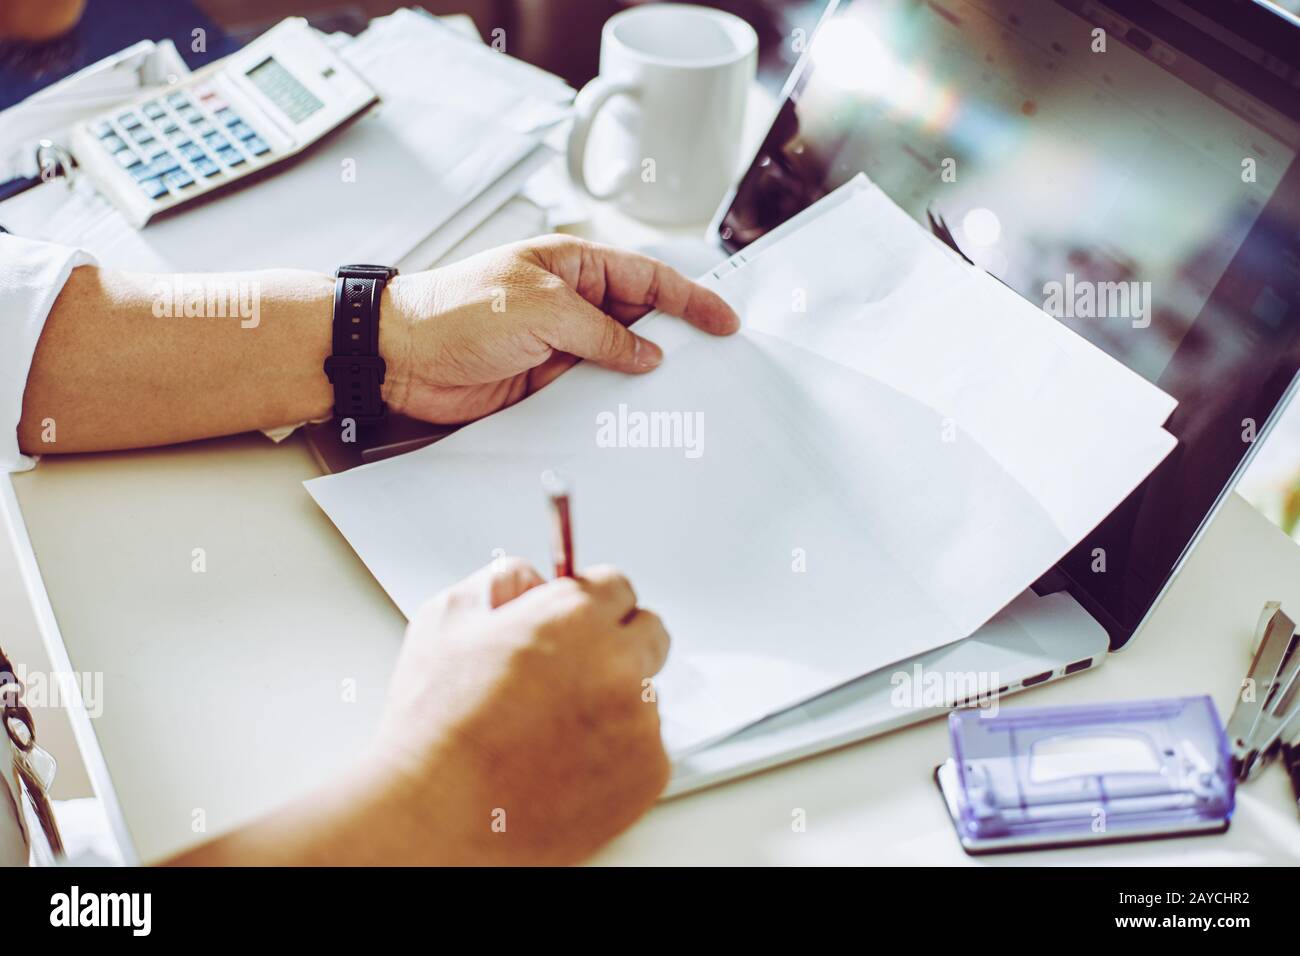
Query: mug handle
(585, 107)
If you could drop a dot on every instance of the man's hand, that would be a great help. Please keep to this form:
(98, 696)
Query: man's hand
(470, 338)
(38, 20)
(520, 726)
(520, 729)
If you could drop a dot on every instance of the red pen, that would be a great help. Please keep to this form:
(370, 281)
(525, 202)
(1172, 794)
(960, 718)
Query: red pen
(556, 485)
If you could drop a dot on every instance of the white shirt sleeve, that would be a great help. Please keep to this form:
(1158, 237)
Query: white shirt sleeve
(32, 275)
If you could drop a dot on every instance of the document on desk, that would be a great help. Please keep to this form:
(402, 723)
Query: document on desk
(891, 450)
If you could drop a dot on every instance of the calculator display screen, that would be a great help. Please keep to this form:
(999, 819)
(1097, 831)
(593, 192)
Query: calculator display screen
(280, 87)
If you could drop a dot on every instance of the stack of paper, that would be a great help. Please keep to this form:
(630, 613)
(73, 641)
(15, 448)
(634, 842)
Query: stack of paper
(457, 72)
(892, 449)
(511, 112)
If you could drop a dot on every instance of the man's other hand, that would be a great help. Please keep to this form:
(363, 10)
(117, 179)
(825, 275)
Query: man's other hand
(470, 338)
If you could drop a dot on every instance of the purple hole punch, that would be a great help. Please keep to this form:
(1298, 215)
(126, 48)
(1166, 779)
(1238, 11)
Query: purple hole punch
(1033, 778)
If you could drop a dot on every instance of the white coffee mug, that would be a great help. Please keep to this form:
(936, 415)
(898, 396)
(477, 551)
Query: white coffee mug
(675, 78)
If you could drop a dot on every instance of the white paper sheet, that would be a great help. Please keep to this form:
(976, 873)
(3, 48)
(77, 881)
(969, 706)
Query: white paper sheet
(909, 313)
(813, 523)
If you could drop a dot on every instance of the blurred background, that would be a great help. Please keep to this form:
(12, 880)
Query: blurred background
(559, 35)
(562, 36)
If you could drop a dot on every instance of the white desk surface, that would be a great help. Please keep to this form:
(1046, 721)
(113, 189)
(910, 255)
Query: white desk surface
(227, 691)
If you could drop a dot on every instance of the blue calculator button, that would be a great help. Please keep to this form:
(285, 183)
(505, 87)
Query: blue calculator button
(215, 141)
(102, 129)
(156, 149)
(130, 121)
(257, 146)
(126, 159)
(206, 167)
(227, 116)
(203, 128)
(230, 157)
(153, 188)
(191, 151)
(153, 109)
(178, 137)
(178, 99)
(113, 143)
(178, 179)
(191, 115)
(242, 130)
(165, 164)
(143, 171)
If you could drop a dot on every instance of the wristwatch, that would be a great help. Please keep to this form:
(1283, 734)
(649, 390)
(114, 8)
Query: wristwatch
(356, 369)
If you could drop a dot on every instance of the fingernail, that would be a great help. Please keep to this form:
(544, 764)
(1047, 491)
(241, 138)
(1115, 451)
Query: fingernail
(646, 354)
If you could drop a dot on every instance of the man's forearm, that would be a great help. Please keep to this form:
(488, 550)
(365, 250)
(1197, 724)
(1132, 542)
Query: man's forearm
(369, 816)
(128, 360)
(341, 825)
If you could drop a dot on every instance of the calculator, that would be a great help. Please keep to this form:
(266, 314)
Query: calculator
(280, 94)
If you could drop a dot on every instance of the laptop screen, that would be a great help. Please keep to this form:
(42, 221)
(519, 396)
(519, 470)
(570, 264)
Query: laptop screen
(1128, 166)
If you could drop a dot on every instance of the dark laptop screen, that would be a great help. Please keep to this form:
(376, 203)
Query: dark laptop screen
(1129, 166)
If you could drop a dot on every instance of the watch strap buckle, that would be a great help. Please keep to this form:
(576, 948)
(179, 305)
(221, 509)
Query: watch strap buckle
(355, 364)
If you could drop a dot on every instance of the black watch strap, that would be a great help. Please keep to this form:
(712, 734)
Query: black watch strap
(356, 369)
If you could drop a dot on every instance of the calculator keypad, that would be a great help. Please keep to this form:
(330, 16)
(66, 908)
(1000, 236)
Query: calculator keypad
(186, 137)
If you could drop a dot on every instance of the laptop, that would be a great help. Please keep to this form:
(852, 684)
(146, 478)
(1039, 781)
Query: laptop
(1075, 142)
